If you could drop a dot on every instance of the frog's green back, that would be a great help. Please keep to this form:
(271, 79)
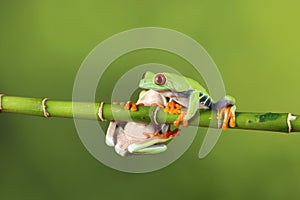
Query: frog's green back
(195, 85)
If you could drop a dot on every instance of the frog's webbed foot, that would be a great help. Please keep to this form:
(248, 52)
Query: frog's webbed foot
(175, 108)
(131, 106)
(226, 117)
(226, 112)
(180, 119)
(166, 135)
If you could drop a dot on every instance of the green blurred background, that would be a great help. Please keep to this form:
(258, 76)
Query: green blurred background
(255, 45)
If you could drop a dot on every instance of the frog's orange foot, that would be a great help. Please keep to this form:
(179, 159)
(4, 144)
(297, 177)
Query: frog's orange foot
(131, 106)
(180, 119)
(167, 135)
(173, 108)
(226, 117)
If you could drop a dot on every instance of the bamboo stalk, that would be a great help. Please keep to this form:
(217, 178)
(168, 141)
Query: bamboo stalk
(276, 122)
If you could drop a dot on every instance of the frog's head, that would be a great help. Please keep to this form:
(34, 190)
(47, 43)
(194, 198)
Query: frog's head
(163, 81)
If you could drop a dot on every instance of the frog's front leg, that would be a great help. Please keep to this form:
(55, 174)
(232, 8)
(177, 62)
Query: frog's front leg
(191, 109)
(226, 112)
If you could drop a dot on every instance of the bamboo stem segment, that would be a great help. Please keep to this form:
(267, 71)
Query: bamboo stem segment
(277, 122)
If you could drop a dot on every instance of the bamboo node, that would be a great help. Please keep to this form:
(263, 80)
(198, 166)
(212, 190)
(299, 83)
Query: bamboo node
(155, 114)
(100, 111)
(1, 101)
(289, 119)
(44, 107)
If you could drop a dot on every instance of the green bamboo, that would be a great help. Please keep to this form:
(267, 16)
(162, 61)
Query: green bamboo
(277, 122)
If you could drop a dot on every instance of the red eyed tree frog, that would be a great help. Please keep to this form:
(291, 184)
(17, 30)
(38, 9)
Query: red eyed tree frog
(191, 95)
(140, 138)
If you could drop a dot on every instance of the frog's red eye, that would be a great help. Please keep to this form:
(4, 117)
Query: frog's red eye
(144, 75)
(159, 79)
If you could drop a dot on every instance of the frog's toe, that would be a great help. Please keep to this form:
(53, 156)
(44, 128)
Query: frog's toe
(232, 122)
(131, 106)
(226, 117)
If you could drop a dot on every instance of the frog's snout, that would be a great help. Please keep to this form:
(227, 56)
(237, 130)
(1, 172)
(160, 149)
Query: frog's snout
(146, 84)
(142, 83)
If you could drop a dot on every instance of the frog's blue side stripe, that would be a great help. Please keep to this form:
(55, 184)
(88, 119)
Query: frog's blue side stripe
(204, 99)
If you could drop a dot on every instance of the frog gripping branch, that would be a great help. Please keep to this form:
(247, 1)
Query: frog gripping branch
(191, 95)
(144, 138)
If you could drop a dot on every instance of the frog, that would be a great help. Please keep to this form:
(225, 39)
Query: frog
(191, 95)
(135, 138)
